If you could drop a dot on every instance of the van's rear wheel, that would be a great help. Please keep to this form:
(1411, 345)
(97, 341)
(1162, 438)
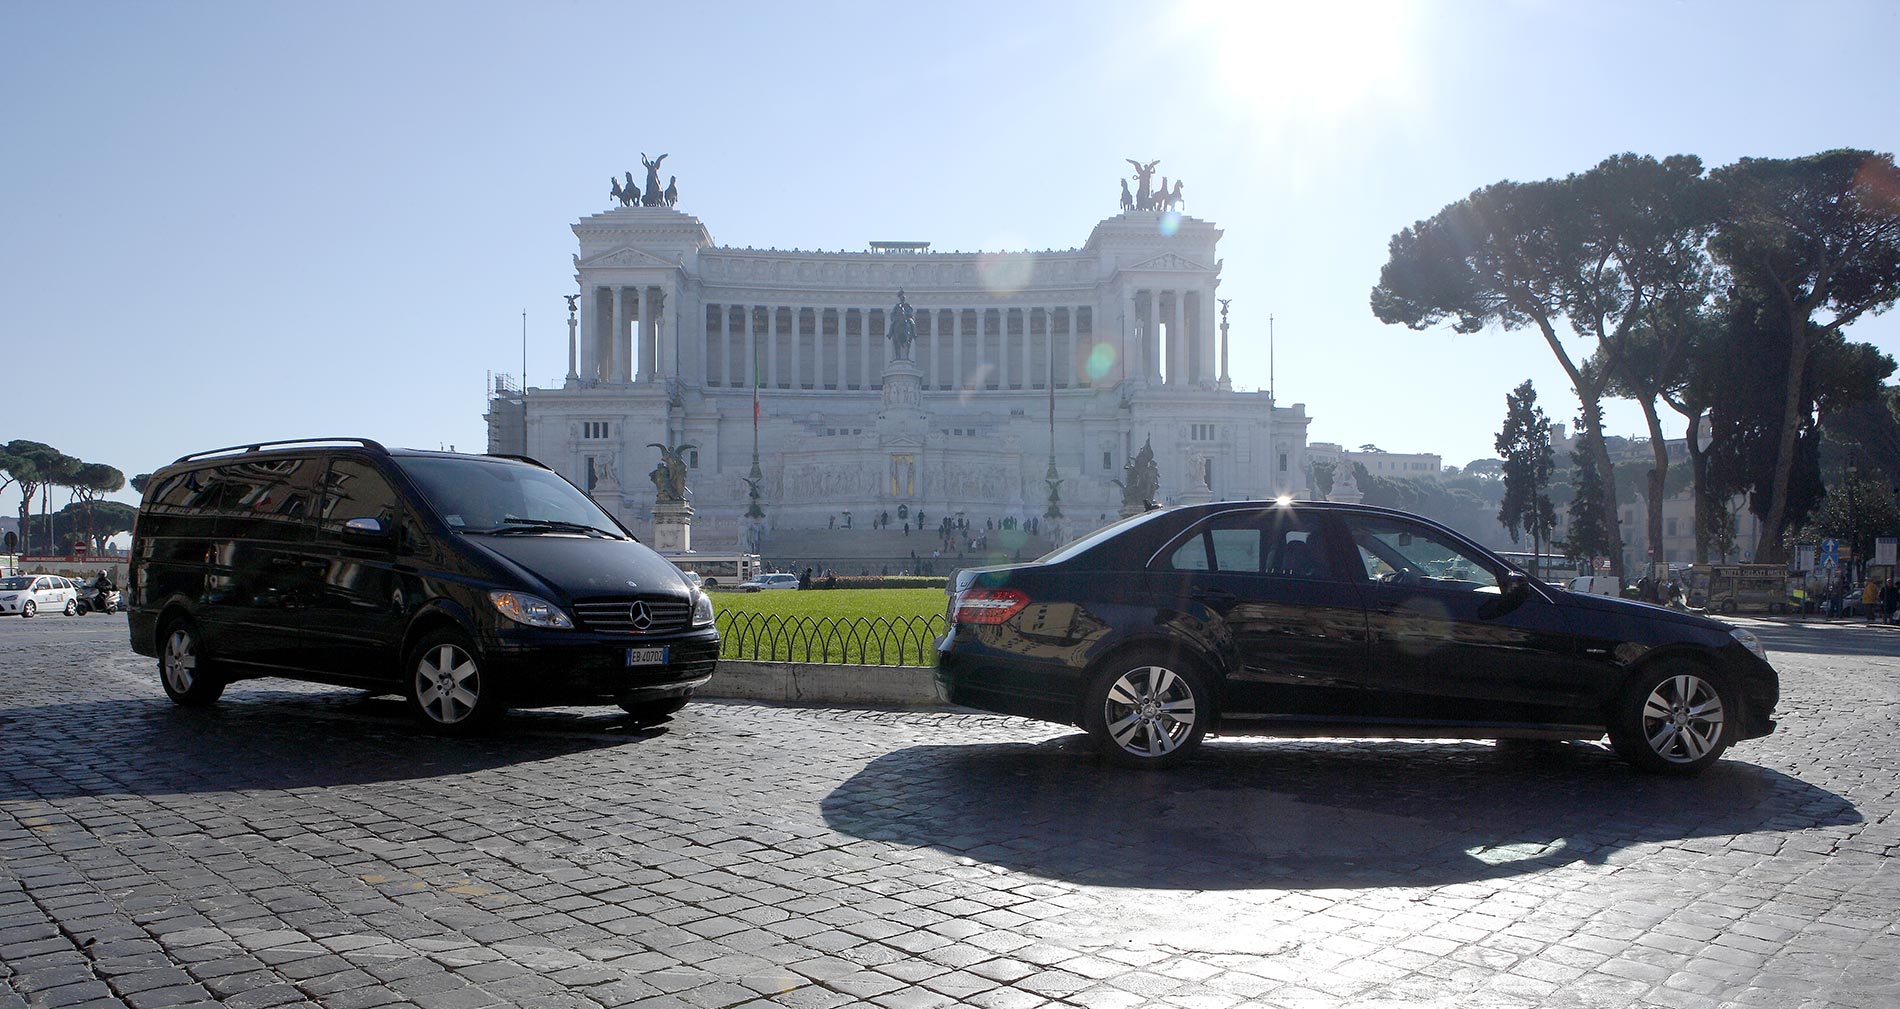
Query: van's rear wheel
(188, 678)
(446, 687)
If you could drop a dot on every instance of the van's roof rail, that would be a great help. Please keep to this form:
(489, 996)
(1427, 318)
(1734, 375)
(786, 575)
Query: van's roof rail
(520, 458)
(260, 446)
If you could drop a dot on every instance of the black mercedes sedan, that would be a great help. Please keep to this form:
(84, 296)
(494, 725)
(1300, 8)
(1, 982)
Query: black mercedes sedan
(1323, 619)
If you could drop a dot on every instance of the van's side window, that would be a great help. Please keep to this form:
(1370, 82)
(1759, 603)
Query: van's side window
(354, 490)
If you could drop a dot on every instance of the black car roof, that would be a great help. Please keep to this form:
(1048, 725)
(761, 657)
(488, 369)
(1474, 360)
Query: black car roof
(348, 446)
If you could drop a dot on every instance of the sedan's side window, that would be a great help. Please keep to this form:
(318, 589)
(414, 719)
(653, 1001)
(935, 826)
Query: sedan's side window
(1277, 542)
(1397, 552)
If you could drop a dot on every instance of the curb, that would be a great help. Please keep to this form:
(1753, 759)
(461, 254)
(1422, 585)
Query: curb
(821, 683)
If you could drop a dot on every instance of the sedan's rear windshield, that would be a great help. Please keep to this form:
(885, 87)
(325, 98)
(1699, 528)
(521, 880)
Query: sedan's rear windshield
(492, 495)
(1098, 537)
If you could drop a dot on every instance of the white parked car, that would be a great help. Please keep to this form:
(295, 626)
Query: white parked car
(30, 594)
(777, 580)
(1597, 585)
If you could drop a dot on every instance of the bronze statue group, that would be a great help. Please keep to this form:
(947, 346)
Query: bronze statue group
(1144, 198)
(630, 194)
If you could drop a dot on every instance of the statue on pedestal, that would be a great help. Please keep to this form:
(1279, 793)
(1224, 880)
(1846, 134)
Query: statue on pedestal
(1144, 196)
(653, 197)
(1143, 480)
(901, 328)
(669, 477)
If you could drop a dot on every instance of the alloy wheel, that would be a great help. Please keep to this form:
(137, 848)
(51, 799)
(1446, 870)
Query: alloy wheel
(181, 661)
(1149, 711)
(1682, 718)
(448, 684)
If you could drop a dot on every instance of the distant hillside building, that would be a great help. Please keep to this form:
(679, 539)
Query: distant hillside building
(1380, 463)
(673, 338)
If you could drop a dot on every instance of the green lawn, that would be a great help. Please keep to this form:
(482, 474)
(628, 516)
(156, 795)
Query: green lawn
(879, 627)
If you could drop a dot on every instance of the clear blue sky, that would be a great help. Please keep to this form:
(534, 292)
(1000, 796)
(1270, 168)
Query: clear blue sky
(237, 221)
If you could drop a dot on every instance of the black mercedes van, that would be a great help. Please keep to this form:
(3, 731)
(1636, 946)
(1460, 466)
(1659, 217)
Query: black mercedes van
(468, 583)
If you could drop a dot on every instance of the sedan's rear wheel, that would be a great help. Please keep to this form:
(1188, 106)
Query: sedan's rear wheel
(1148, 711)
(72, 607)
(1673, 719)
(447, 688)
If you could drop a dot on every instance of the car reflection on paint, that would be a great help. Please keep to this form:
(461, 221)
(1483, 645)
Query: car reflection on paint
(1325, 619)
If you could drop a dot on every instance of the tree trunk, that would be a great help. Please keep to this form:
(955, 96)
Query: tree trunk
(1699, 481)
(1769, 548)
(1606, 504)
(1658, 476)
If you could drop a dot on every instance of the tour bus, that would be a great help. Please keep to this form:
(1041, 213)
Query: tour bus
(719, 570)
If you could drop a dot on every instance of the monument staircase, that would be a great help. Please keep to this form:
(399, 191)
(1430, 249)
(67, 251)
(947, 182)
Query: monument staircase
(863, 550)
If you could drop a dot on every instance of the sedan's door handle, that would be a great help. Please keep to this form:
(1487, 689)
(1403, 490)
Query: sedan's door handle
(1213, 597)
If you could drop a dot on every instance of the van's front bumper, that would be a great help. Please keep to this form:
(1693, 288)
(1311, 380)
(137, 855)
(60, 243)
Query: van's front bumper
(544, 668)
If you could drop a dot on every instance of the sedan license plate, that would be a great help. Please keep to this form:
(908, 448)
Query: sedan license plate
(646, 656)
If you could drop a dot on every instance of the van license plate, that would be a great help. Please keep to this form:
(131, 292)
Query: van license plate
(646, 656)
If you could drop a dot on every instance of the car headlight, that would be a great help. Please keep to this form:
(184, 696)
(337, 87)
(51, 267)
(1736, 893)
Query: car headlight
(534, 611)
(1748, 640)
(702, 609)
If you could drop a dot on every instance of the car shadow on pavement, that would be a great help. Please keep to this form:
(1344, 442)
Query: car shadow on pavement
(1299, 814)
(271, 739)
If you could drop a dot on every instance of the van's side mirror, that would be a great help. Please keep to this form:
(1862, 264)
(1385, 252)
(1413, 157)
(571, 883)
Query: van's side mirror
(367, 530)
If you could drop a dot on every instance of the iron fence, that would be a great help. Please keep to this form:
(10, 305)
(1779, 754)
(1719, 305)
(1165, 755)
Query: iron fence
(865, 641)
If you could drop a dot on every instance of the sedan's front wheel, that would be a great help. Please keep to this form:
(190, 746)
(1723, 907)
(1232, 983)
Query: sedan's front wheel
(1673, 719)
(28, 608)
(1148, 711)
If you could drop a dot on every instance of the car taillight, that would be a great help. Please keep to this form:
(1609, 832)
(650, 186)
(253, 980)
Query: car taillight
(989, 606)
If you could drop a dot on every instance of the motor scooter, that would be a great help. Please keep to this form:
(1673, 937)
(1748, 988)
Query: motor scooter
(94, 598)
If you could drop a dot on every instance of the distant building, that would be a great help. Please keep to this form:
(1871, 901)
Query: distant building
(1380, 463)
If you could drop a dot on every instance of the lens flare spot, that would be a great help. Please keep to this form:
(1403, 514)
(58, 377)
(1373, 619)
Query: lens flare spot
(1170, 223)
(1005, 272)
(1101, 361)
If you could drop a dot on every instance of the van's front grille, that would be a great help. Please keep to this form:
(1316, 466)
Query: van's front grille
(663, 614)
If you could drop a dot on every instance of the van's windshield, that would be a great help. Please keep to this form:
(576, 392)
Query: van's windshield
(494, 496)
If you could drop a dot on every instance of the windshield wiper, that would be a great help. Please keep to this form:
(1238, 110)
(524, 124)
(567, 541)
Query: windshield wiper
(513, 524)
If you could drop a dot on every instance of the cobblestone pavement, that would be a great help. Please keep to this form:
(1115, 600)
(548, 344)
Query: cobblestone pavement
(297, 846)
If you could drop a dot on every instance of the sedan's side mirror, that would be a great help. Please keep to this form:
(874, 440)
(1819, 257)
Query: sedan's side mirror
(1514, 583)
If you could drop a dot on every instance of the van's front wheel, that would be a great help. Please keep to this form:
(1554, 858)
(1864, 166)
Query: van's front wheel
(447, 689)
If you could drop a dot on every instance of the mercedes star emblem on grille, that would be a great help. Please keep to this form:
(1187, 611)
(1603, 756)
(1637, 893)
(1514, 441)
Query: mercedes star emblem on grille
(642, 617)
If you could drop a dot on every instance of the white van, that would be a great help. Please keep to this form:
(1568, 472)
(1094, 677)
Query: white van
(1597, 585)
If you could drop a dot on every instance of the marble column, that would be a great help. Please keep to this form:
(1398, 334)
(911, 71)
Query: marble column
(1001, 360)
(772, 342)
(798, 348)
(956, 348)
(1128, 363)
(1178, 341)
